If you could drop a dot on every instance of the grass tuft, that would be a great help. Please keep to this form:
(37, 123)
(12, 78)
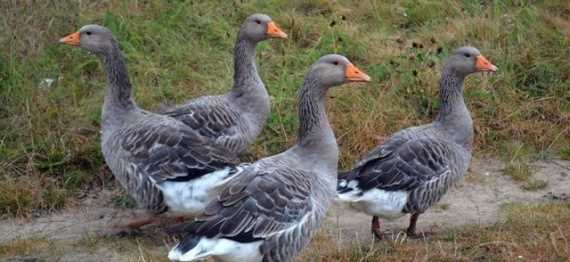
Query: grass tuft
(519, 171)
(32, 249)
(565, 153)
(123, 200)
(535, 184)
(22, 195)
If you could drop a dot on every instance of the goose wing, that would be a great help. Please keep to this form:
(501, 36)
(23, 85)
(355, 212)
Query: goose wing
(165, 149)
(404, 164)
(211, 119)
(257, 204)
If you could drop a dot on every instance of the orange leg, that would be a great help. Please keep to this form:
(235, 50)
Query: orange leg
(376, 227)
(178, 227)
(411, 231)
(136, 223)
(123, 229)
(139, 221)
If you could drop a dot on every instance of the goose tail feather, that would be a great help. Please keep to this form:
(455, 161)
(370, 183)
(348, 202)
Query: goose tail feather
(347, 187)
(189, 249)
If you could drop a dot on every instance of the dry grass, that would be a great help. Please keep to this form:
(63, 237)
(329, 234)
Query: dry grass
(90, 248)
(28, 247)
(22, 195)
(528, 233)
(519, 171)
(535, 184)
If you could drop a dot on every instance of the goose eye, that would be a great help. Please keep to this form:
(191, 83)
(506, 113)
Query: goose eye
(88, 33)
(467, 55)
(335, 63)
(258, 22)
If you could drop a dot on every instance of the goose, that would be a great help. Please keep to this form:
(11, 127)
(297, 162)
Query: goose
(164, 164)
(416, 166)
(270, 211)
(236, 118)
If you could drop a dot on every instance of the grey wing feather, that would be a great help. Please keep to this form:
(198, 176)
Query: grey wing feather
(406, 166)
(157, 149)
(256, 205)
(166, 150)
(210, 116)
(380, 152)
(388, 147)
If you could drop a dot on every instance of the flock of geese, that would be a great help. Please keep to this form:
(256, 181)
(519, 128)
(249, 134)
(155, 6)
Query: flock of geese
(183, 161)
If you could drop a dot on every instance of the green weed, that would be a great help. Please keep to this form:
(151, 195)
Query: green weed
(535, 184)
(124, 201)
(565, 153)
(519, 171)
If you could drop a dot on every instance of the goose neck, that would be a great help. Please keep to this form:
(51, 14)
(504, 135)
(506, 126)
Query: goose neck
(454, 116)
(118, 103)
(248, 93)
(118, 95)
(315, 135)
(245, 71)
(450, 92)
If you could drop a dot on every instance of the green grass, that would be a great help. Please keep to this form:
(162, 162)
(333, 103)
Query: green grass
(124, 201)
(565, 153)
(182, 49)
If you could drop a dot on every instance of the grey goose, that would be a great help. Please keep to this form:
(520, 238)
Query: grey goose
(235, 119)
(164, 164)
(416, 166)
(270, 211)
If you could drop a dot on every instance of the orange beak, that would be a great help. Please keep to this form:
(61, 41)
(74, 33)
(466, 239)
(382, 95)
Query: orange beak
(353, 74)
(483, 65)
(71, 39)
(274, 31)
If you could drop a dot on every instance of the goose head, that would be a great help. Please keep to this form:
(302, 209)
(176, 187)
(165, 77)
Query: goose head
(467, 60)
(334, 70)
(93, 38)
(259, 27)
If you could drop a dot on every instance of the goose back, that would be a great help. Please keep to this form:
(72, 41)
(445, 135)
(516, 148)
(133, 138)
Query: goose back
(216, 118)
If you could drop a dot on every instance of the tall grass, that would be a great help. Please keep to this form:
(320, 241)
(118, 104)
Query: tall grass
(182, 49)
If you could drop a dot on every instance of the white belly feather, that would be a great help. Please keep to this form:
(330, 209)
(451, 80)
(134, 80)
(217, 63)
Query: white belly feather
(191, 197)
(377, 202)
(223, 249)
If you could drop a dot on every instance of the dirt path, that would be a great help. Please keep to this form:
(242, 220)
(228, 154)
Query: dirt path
(476, 200)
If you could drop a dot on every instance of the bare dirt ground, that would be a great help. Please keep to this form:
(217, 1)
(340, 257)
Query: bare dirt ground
(72, 234)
